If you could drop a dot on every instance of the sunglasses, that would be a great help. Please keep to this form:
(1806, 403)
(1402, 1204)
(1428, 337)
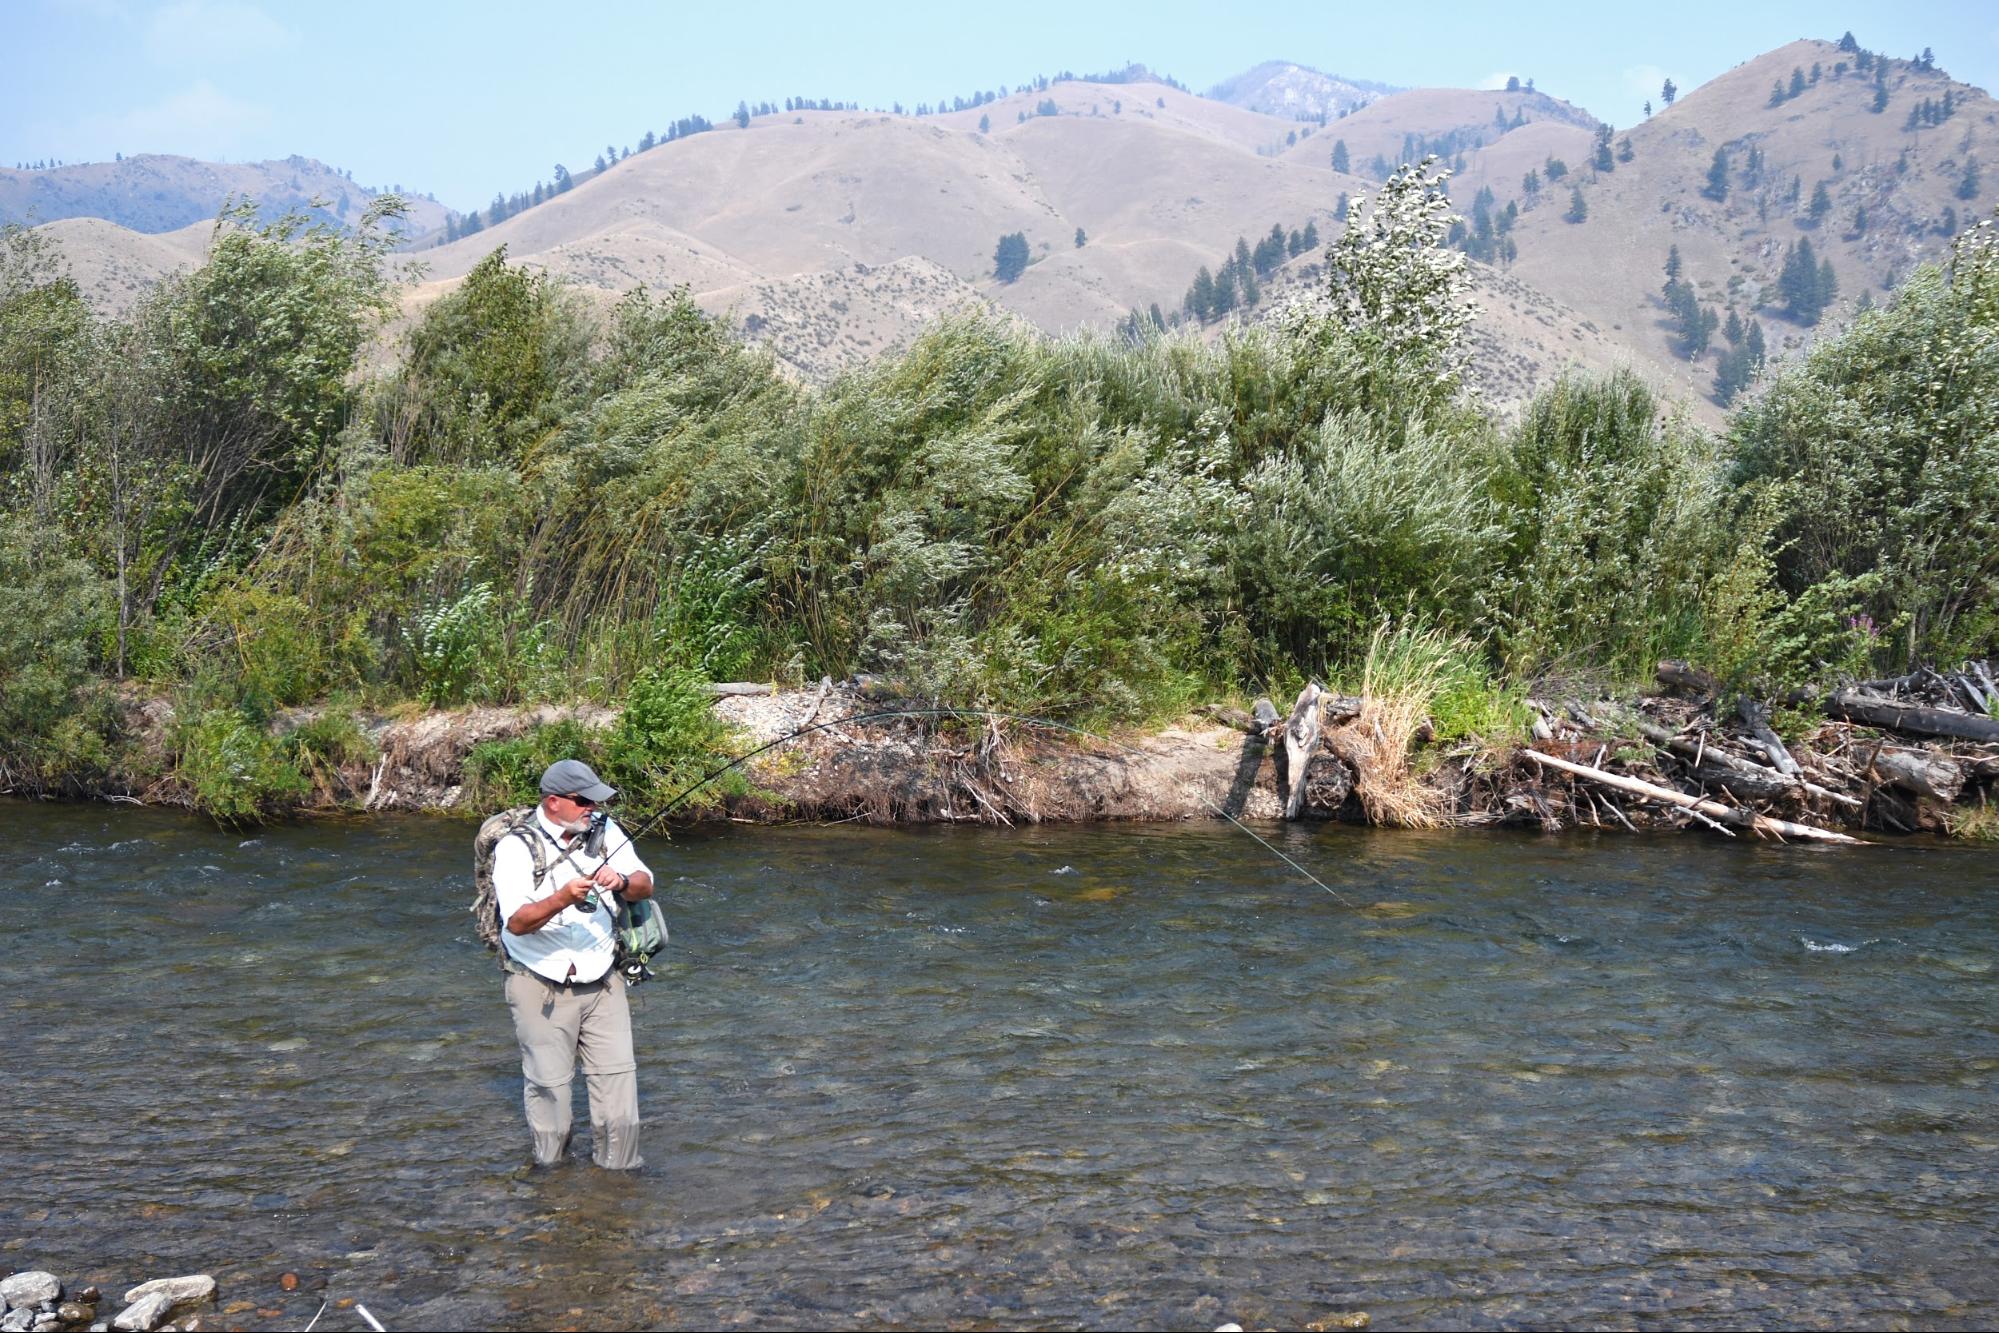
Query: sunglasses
(583, 801)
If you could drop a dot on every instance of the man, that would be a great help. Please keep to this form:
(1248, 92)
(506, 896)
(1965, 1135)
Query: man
(565, 998)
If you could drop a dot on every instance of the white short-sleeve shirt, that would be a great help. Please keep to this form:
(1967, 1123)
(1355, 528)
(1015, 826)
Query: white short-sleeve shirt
(574, 944)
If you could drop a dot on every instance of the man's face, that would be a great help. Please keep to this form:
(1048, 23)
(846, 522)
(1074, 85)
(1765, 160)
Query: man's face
(570, 813)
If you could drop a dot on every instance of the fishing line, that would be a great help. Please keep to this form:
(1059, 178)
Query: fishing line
(890, 714)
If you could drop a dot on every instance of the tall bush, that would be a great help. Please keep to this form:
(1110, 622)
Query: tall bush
(1886, 442)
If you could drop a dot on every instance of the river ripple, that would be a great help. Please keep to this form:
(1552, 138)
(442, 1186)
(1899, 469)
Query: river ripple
(965, 1078)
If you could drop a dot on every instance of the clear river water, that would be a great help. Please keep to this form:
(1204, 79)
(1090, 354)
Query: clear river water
(965, 1078)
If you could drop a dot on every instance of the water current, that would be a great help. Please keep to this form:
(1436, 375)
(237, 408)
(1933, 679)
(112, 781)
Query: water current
(961, 1078)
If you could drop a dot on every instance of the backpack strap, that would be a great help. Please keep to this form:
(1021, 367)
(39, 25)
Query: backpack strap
(527, 833)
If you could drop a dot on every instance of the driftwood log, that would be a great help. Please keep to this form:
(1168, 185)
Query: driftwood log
(1712, 763)
(1686, 676)
(1936, 776)
(1301, 738)
(1874, 711)
(1757, 718)
(1712, 810)
(738, 689)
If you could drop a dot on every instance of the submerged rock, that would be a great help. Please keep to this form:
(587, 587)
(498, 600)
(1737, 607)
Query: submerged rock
(19, 1320)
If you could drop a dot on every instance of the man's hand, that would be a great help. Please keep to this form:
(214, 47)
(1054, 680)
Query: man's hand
(575, 891)
(607, 878)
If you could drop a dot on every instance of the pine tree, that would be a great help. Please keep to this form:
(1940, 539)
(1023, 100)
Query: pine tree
(1717, 177)
(1776, 94)
(1578, 210)
(1010, 256)
(1668, 92)
(1530, 184)
(1340, 160)
(1967, 188)
(985, 124)
(1081, 238)
(1603, 161)
(1625, 152)
(1312, 234)
(1672, 263)
(1797, 88)
(1754, 343)
(1821, 204)
(1201, 296)
(1733, 329)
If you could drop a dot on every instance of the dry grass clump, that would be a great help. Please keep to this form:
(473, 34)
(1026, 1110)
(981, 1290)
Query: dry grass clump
(1408, 669)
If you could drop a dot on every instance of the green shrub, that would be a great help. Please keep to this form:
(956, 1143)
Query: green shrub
(447, 642)
(330, 739)
(507, 773)
(1617, 530)
(281, 654)
(232, 769)
(1883, 439)
(55, 717)
(666, 738)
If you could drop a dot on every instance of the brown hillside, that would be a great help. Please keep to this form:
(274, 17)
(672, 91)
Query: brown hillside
(158, 192)
(1610, 267)
(114, 266)
(834, 236)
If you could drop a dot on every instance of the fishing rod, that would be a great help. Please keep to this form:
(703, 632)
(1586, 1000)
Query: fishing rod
(890, 714)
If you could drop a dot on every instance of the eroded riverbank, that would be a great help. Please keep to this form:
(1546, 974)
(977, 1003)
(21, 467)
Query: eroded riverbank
(1673, 759)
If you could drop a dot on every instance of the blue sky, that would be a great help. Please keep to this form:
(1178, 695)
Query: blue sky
(465, 99)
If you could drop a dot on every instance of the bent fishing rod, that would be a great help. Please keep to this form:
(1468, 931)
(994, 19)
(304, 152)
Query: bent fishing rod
(653, 820)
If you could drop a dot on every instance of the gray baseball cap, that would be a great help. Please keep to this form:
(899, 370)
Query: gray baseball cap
(573, 777)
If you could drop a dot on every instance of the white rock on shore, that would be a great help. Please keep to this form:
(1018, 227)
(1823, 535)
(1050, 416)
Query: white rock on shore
(27, 1289)
(179, 1290)
(145, 1314)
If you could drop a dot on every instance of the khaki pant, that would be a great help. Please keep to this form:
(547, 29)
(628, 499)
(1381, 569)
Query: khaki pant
(556, 1024)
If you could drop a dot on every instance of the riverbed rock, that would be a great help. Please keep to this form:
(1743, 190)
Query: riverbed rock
(30, 1288)
(75, 1312)
(18, 1321)
(144, 1315)
(178, 1290)
(46, 1320)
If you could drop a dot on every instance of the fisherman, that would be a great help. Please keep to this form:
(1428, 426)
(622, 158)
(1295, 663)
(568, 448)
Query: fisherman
(558, 943)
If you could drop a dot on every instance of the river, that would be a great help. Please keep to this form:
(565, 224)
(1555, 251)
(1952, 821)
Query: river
(1105, 1077)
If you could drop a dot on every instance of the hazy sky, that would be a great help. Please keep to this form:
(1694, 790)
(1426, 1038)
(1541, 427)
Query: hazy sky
(465, 99)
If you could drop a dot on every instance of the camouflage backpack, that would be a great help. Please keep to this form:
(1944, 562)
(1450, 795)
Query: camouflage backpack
(485, 903)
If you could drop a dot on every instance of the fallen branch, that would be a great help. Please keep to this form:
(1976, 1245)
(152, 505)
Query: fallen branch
(1750, 775)
(1878, 712)
(1757, 718)
(1710, 809)
(1688, 677)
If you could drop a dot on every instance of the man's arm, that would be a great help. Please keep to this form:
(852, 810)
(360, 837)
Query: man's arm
(513, 887)
(533, 916)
